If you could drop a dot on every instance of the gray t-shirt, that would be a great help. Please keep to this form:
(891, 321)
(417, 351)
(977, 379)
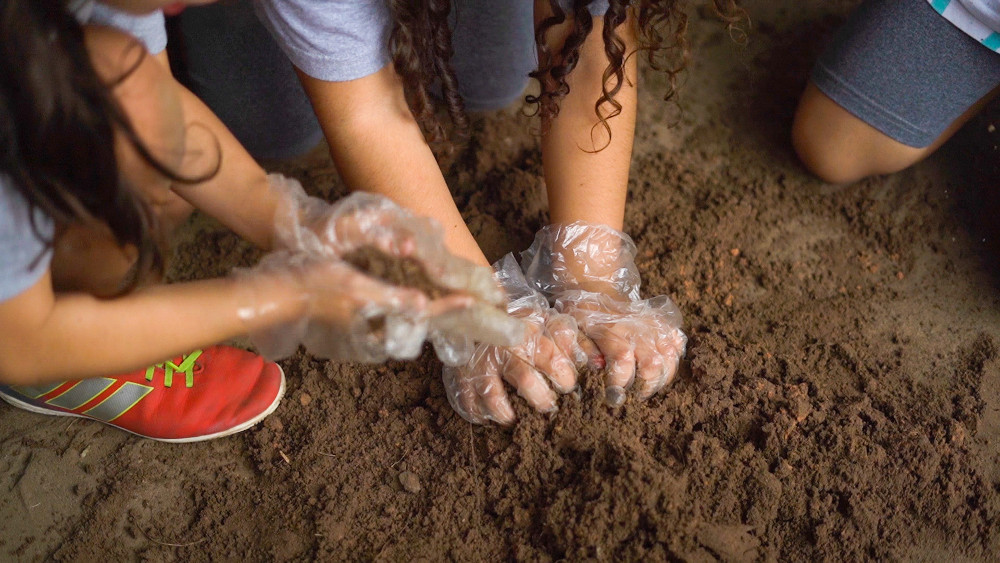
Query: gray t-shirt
(341, 40)
(23, 255)
(149, 28)
(332, 40)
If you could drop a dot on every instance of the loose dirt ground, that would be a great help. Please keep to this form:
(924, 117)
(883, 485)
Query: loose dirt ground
(840, 398)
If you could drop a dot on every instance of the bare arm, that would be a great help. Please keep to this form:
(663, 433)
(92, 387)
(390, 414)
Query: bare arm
(48, 337)
(378, 147)
(184, 135)
(239, 195)
(584, 185)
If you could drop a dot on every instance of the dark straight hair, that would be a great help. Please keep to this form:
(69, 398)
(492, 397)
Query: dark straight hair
(58, 119)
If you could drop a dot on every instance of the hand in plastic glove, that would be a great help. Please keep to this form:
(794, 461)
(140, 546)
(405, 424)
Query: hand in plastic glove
(343, 314)
(589, 271)
(361, 220)
(365, 221)
(541, 365)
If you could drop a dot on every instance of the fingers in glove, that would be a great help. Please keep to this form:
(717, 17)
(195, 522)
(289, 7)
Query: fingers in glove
(552, 361)
(530, 384)
(671, 362)
(382, 296)
(620, 359)
(595, 359)
(461, 393)
(492, 402)
(670, 348)
(449, 303)
(345, 298)
(652, 369)
(564, 333)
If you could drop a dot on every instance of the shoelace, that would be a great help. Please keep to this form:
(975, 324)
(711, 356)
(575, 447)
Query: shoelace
(186, 367)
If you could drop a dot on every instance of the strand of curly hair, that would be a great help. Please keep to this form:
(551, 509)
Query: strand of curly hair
(420, 43)
(661, 29)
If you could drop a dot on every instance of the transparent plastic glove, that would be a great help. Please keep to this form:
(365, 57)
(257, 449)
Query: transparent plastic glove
(309, 224)
(538, 367)
(344, 314)
(589, 272)
(362, 221)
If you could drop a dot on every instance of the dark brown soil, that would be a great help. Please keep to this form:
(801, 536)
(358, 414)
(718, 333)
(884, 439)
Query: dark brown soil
(405, 272)
(840, 399)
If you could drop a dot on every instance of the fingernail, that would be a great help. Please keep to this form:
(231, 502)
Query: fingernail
(505, 415)
(614, 395)
(597, 361)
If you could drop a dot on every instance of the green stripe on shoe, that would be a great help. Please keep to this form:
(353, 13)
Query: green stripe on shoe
(119, 402)
(940, 5)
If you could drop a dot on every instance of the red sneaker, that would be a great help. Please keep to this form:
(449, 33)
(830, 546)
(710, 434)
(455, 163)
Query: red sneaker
(199, 396)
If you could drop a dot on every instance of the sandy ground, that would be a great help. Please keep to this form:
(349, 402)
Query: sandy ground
(839, 399)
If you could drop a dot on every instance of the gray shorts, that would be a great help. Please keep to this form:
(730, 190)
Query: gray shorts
(233, 64)
(905, 70)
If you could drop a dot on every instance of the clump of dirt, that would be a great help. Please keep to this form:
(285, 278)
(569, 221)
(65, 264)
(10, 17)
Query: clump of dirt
(403, 272)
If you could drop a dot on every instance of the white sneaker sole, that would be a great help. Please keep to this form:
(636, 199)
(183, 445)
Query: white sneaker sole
(234, 430)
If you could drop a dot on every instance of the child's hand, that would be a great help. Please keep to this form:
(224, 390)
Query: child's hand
(589, 270)
(362, 220)
(379, 281)
(538, 367)
(639, 339)
(343, 314)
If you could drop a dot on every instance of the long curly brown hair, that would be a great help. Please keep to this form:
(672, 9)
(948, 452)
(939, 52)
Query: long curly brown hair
(420, 43)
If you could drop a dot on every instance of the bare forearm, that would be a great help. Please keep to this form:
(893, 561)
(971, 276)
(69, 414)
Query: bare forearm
(378, 147)
(238, 195)
(586, 172)
(78, 336)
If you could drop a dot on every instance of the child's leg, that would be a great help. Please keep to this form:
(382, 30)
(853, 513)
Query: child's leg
(897, 82)
(230, 61)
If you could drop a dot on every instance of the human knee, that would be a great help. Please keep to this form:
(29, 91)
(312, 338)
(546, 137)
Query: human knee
(823, 140)
(824, 156)
(839, 147)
